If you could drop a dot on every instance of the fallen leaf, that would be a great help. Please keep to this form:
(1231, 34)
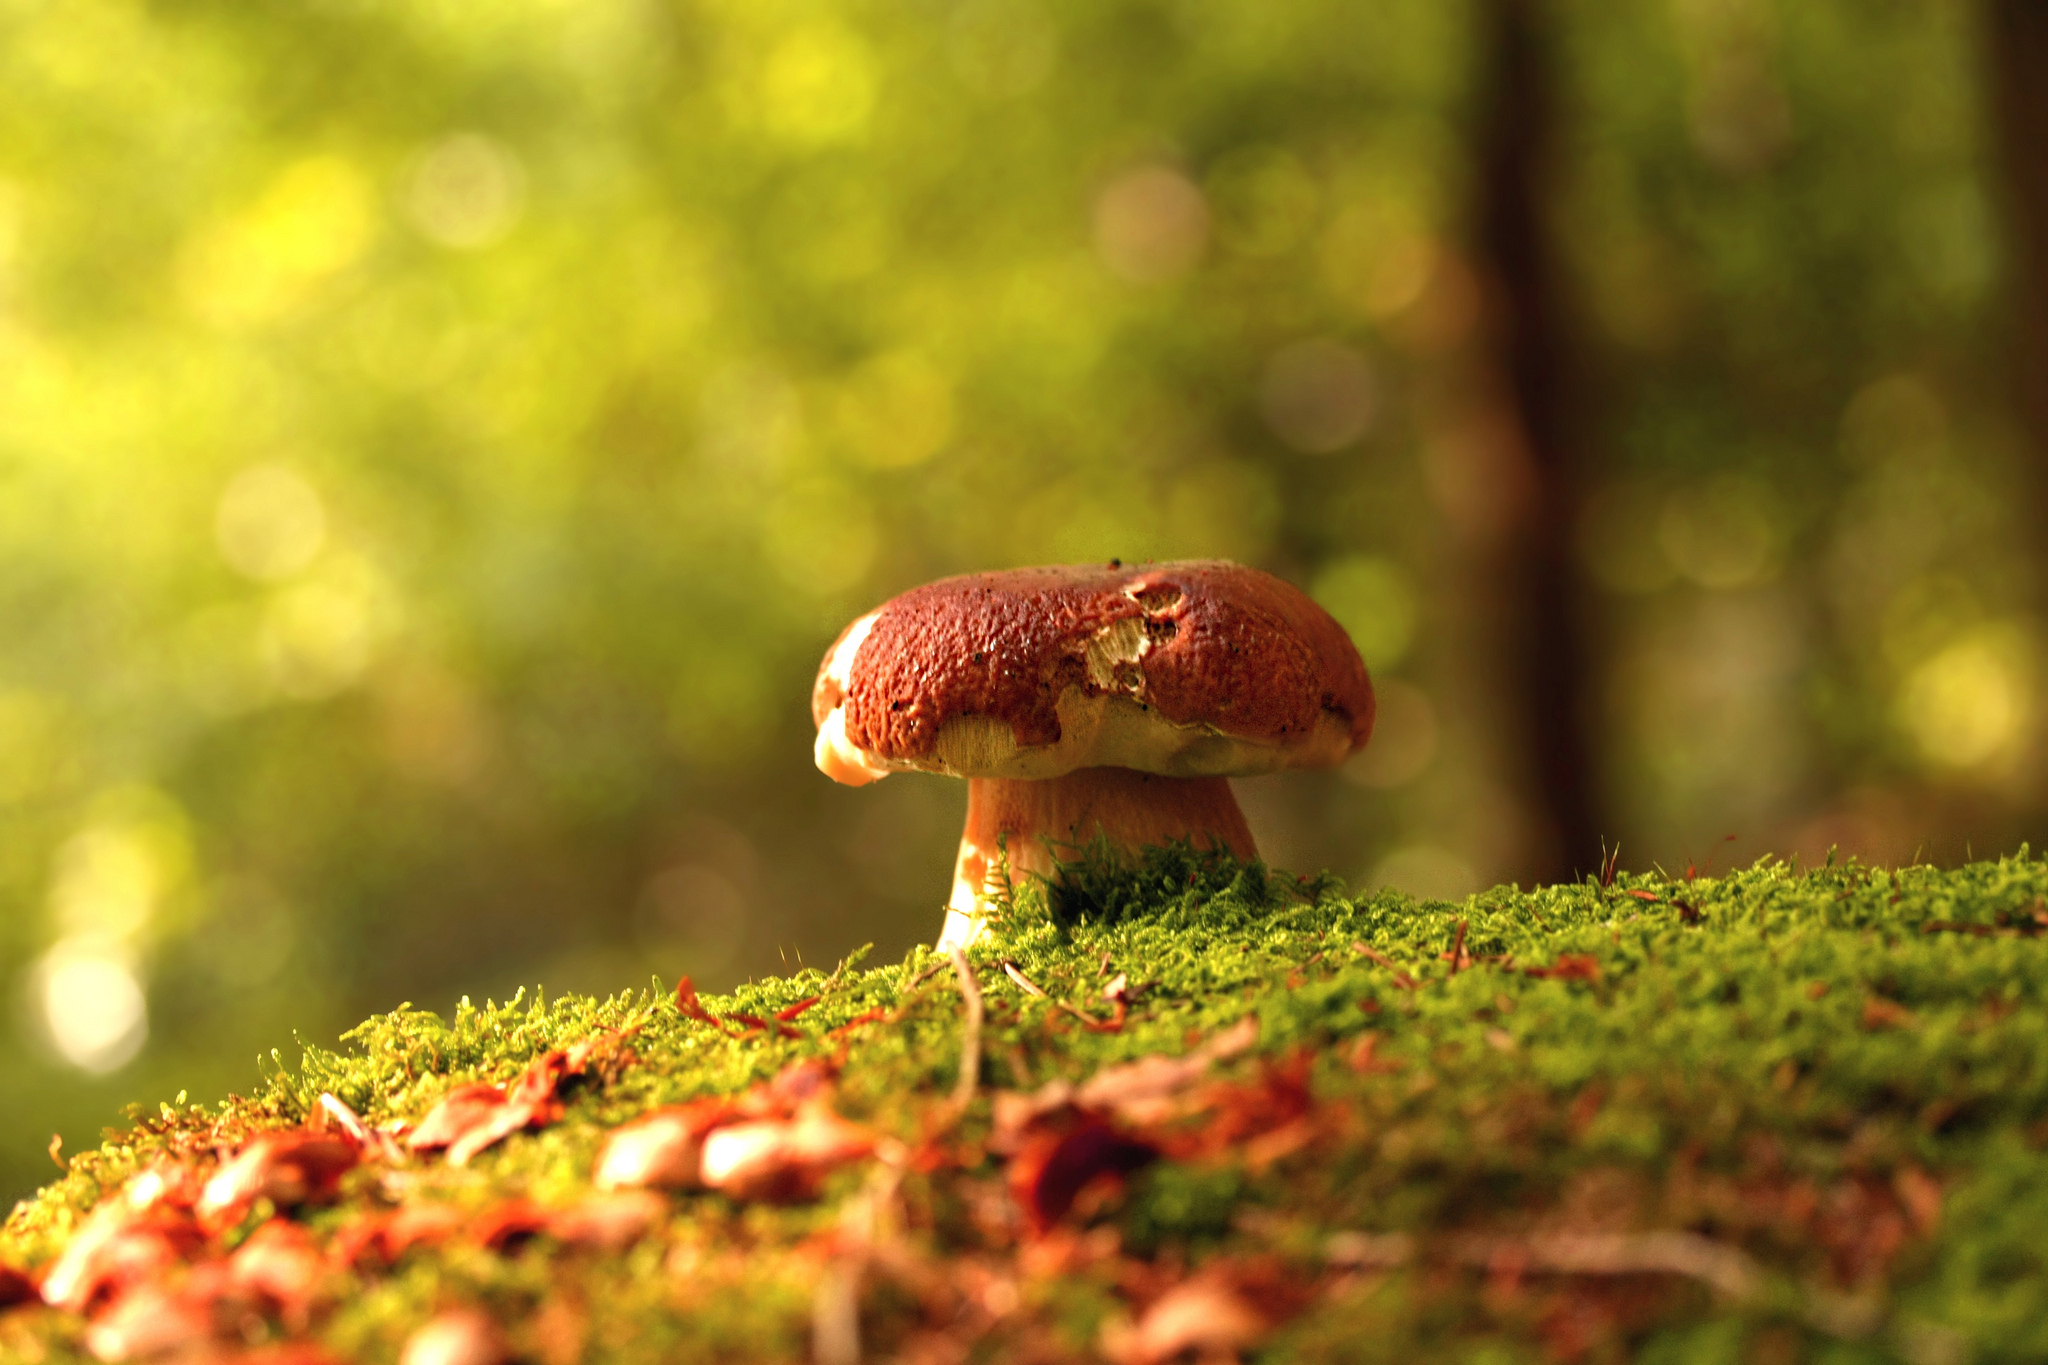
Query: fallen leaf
(1365, 1058)
(16, 1287)
(781, 1159)
(1055, 1164)
(116, 1248)
(1148, 1090)
(462, 1336)
(280, 1265)
(472, 1117)
(288, 1169)
(153, 1320)
(663, 1148)
(503, 1225)
(608, 1222)
(1202, 1316)
(386, 1237)
(1880, 1013)
(459, 1112)
(1568, 967)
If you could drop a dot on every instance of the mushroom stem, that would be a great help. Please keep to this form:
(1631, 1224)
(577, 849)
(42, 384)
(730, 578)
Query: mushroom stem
(1133, 810)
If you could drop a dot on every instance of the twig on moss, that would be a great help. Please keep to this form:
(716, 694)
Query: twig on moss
(1725, 1269)
(1024, 983)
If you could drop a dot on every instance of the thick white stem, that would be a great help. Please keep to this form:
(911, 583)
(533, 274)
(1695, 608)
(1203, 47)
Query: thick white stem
(1133, 810)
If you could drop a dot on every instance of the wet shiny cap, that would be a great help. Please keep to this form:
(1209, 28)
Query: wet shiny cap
(1190, 668)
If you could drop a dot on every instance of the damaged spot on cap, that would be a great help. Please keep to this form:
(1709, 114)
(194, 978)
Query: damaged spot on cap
(1112, 653)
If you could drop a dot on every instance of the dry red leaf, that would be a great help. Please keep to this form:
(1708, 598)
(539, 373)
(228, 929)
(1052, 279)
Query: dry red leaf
(154, 1319)
(462, 1336)
(1205, 1317)
(1568, 967)
(790, 1012)
(16, 1287)
(508, 1223)
(472, 1117)
(1239, 1113)
(874, 1016)
(1365, 1058)
(782, 1160)
(281, 1268)
(693, 1008)
(1064, 1155)
(459, 1112)
(386, 1237)
(119, 1247)
(664, 1148)
(288, 1169)
(1880, 1013)
(608, 1222)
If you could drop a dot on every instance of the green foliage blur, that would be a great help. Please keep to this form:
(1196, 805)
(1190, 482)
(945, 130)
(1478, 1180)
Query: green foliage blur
(437, 441)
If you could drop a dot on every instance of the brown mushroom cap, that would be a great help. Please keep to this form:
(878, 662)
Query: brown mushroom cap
(1193, 668)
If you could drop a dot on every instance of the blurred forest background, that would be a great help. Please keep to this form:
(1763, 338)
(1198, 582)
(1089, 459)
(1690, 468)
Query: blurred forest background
(438, 439)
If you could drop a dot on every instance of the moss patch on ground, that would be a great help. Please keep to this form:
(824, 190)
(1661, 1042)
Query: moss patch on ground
(1765, 1116)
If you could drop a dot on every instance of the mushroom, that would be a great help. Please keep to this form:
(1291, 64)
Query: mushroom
(1086, 700)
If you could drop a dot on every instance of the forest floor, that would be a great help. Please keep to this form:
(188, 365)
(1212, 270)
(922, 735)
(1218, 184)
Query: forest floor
(1192, 1110)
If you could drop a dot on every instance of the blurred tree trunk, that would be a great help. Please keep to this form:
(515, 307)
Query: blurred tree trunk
(2016, 48)
(1545, 649)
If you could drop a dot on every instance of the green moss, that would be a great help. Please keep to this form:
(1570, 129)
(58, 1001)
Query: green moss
(1843, 1074)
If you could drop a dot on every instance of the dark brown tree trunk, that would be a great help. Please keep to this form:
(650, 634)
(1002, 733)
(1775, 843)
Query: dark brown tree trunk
(2016, 50)
(1546, 649)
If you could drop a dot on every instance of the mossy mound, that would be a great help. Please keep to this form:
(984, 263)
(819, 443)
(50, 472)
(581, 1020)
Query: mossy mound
(1761, 1116)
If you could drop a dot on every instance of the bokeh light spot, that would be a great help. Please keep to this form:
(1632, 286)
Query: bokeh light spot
(269, 522)
(91, 1004)
(106, 883)
(315, 218)
(465, 191)
(1724, 533)
(1972, 702)
(1318, 395)
(317, 638)
(818, 86)
(1151, 224)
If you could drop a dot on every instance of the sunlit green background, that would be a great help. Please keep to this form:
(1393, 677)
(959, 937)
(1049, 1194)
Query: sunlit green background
(438, 439)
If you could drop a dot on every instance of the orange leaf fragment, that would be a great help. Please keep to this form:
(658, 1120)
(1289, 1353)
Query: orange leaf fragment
(288, 1169)
(281, 1265)
(1065, 1157)
(781, 1160)
(459, 1111)
(153, 1319)
(118, 1247)
(1568, 967)
(1202, 1317)
(472, 1117)
(608, 1222)
(462, 1336)
(16, 1287)
(386, 1237)
(663, 1148)
(1880, 1013)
